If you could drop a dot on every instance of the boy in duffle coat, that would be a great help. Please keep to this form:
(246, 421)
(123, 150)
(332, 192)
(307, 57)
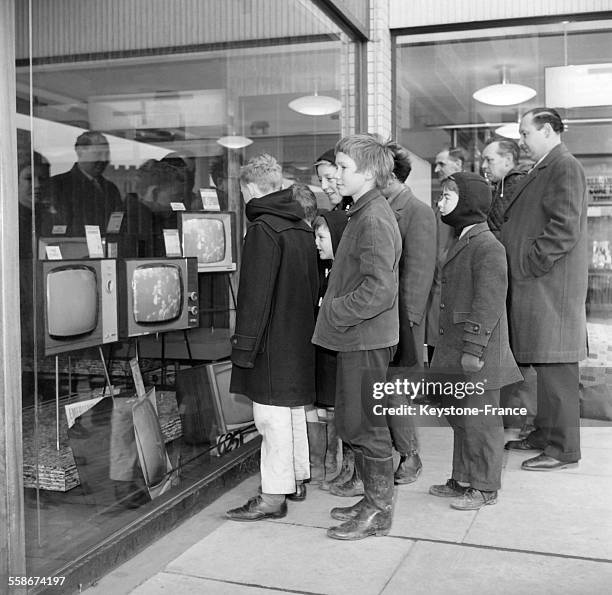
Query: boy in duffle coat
(473, 339)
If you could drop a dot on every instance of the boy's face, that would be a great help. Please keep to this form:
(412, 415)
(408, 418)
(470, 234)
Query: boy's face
(323, 243)
(350, 181)
(448, 201)
(326, 172)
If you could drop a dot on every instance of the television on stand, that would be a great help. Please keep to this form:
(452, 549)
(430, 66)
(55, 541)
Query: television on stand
(78, 304)
(157, 295)
(210, 236)
(210, 413)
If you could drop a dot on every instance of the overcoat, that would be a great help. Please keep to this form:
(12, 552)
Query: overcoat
(473, 315)
(274, 360)
(417, 225)
(80, 201)
(545, 235)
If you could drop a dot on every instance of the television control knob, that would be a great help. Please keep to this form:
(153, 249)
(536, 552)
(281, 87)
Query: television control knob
(193, 296)
(193, 310)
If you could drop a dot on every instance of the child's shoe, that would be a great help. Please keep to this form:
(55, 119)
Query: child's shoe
(451, 489)
(474, 499)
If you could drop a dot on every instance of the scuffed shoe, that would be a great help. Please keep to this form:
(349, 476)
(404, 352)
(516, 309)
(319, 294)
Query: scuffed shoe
(522, 444)
(474, 499)
(256, 510)
(451, 489)
(409, 469)
(353, 487)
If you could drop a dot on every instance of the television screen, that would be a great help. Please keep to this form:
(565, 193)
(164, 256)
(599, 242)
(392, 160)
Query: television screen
(72, 302)
(77, 304)
(209, 236)
(157, 293)
(204, 238)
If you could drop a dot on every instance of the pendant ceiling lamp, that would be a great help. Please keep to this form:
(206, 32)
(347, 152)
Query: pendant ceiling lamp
(315, 105)
(505, 92)
(234, 141)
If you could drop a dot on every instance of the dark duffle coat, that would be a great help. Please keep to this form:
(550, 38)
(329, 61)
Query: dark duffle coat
(473, 309)
(274, 360)
(545, 235)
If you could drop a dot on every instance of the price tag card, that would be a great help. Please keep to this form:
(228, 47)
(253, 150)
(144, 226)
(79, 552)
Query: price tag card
(210, 200)
(137, 376)
(177, 206)
(114, 222)
(58, 230)
(94, 241)
(53, 252)
(172, 242)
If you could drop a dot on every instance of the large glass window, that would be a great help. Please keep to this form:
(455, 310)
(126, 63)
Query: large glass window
(130, 115)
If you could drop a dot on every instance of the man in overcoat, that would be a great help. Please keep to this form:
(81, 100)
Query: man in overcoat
(83, 196)
(273, 358)
(544, 233)
(417, 225)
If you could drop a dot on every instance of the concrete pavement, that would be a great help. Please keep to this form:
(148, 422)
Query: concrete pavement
(549, 533)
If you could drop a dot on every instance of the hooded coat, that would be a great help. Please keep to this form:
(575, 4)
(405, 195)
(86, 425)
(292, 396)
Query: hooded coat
(474, 283)
(274, 360)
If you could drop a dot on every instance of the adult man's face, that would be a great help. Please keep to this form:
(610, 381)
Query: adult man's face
(446, 166)
(535, 142)
(93, 159)
(494, 165)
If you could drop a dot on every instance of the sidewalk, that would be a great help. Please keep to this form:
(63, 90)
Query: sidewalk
(549, 533)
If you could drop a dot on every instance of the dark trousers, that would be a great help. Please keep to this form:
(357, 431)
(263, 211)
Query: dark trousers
(355, 421)
(478, 447)
(407, 361)
(557, 422)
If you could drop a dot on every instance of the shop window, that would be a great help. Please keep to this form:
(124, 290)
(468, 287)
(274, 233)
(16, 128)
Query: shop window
(177, 102)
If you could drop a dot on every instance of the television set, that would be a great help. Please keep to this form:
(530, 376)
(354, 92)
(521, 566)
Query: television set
(157, 295)
(79, 304)
(72, 248)
(207, 408)
(210, 237)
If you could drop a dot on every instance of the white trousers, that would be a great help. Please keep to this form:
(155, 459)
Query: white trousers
(284, 447)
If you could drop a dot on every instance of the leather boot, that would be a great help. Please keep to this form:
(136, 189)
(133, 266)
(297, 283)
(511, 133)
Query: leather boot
(409, 469)
(331, 454)
(317, 445)
(346, 470)
(374, 513)
(353, 487)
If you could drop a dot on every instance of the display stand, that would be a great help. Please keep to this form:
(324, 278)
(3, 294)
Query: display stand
(107, 381)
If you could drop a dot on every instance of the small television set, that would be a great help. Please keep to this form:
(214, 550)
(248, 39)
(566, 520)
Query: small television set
(210, 237)
(72, 248)
(79, 304)
(207, 408)
(157, 295)
(232, 410)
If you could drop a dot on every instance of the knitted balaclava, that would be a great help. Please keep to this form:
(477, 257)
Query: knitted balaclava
(336, 222)
(474, 201)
